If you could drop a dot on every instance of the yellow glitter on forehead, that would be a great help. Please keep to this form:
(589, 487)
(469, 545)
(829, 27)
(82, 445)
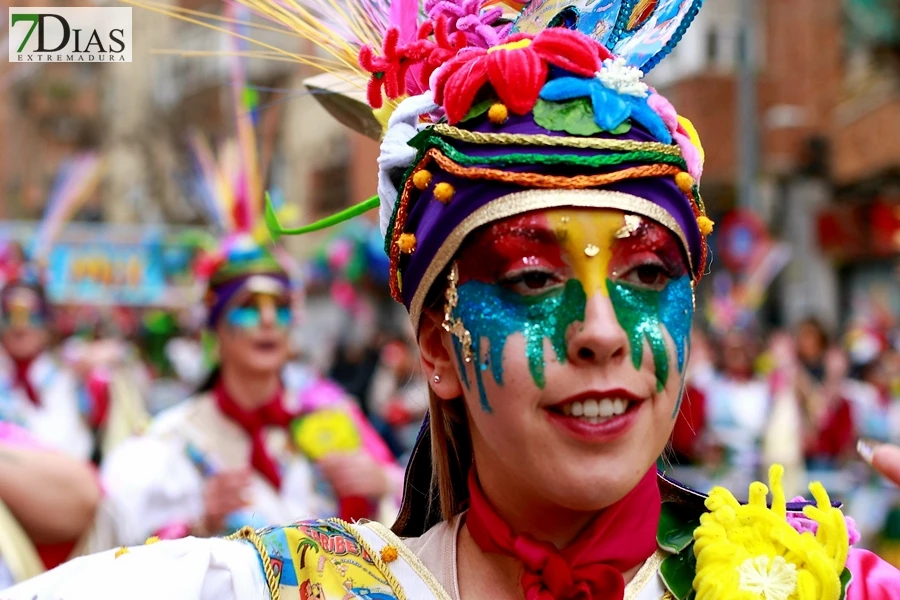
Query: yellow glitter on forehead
(593, 229)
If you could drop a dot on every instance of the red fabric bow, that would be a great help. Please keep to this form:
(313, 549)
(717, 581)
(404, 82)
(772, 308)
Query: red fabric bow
(619, 539)
(272, 414)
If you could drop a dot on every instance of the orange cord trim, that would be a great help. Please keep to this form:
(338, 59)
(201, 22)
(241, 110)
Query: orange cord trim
(529, 180)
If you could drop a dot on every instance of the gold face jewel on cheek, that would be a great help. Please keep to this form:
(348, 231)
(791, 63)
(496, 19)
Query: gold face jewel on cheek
(591, 250)
(455, 326)
(632, 224)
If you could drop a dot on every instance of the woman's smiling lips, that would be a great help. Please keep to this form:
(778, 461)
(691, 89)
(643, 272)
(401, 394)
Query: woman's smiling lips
(596, 416)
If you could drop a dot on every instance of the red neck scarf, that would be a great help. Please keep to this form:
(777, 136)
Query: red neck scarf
(619, 539)
(23, 382)
(271, 414)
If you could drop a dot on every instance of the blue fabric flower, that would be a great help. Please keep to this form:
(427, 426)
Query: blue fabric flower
(611, 108)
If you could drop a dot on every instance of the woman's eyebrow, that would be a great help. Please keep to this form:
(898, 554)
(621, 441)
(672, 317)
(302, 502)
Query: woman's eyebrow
(531, 233)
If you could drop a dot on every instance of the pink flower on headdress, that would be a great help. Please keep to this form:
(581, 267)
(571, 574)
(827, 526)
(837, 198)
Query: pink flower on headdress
(689, 151)
(516, 70)
(467, 16)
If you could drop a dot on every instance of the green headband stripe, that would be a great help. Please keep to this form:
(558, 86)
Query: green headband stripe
(430, 138)
(531, 158)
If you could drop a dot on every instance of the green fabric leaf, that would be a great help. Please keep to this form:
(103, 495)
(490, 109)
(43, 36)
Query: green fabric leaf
(677, 572)
(575, 117)
(622, 129)
(479, 108)
(676, 528)
(846, 579)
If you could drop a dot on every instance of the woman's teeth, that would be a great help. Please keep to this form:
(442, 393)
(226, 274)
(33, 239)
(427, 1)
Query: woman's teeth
(596, 409)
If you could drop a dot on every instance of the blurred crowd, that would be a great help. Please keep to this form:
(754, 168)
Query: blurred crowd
(78, 386)
(802, 398)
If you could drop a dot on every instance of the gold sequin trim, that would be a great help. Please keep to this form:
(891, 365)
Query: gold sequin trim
(644, 575)
(539, 139)
(411, 559)
(453, 325)
(272, 580)
(522, 202)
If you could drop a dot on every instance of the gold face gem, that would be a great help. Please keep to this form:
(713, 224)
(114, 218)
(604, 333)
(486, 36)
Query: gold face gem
(591, 250)
(632, 223)
(455, 326)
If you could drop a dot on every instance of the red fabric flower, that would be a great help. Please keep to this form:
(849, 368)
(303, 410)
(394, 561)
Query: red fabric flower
(516, 70)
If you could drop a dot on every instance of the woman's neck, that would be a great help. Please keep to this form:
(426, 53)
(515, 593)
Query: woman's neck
(249, 390)
(525, 513)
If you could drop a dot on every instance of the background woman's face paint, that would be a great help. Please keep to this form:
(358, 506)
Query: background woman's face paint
(21, 308)
(249, 314)
(533, 274)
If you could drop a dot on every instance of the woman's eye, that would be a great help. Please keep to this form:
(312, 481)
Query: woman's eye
(530, 281)
(648, 275)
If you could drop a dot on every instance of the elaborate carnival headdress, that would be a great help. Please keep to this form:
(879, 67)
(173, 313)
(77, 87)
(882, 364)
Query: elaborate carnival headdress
(490, 109)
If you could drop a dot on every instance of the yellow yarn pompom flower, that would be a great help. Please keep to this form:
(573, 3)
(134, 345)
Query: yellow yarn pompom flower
(705, 224)
(407, 243)
(751, 552)
(422, 179)
(444, 192)
(498, 114)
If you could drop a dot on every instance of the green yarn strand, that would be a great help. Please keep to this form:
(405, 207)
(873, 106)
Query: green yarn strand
(276, 230)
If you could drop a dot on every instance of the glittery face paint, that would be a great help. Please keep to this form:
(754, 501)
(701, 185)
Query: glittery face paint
(21, 309)
(493, 313)
(533, 274)
(249, 314)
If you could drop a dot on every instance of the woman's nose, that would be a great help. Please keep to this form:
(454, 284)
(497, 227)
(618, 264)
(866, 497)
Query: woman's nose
(268, 314)
(599, 339)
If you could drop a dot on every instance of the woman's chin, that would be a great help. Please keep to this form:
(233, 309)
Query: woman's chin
(592, 490)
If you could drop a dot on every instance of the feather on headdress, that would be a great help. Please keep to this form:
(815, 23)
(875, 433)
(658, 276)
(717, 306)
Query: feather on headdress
(444, 79)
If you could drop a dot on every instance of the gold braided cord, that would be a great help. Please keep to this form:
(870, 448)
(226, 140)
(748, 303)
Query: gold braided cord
(542, 181)
(247, 533)
(529, 180)
(647, 572)
(376, 558)
(540, 139)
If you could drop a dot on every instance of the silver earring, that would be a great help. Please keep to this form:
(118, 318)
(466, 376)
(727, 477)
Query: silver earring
(436, 378)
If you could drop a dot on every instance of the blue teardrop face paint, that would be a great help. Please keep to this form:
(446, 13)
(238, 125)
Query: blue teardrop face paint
(533, 275)
(248, 315)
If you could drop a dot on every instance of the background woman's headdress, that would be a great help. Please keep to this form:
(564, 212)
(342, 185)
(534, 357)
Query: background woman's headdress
(547, 99)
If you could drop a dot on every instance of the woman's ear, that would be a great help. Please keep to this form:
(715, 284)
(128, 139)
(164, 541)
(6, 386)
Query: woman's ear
(437, 356)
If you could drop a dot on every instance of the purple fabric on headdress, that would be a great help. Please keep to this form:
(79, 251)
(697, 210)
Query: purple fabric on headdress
(227, 290)
(432, 221)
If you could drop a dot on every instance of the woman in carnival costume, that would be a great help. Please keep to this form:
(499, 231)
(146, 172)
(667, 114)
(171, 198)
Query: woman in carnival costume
(545, 230)
(64, 407)
(256, 444)
(47, 504)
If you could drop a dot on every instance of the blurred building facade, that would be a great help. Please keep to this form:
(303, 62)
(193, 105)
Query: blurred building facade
(139, 116)
(827, 124)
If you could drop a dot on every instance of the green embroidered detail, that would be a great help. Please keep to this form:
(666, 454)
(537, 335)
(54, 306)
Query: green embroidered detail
(479, 108)
(677, 572)
(676, 528)
(575, 117)
(846, 580)
(533, 158)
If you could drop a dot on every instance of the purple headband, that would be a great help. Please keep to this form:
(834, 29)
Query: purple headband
(434, 223)
(219, 296)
